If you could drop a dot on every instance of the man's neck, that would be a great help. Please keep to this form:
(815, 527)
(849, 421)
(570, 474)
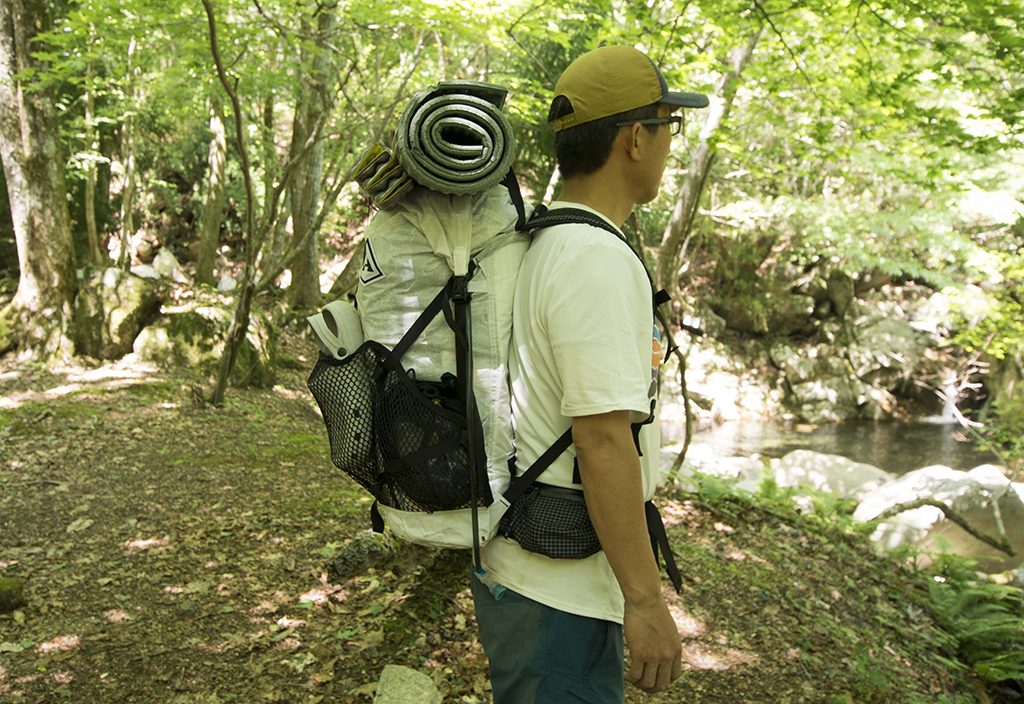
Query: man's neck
(597, 193)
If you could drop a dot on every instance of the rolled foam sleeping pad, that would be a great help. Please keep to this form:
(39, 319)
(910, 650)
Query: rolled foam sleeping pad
(454, 138)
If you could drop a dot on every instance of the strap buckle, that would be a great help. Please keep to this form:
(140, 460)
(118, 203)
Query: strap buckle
(459, 291)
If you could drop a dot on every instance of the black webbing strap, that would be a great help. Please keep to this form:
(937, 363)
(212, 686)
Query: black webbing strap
(424, 454)
(659, 543)
(376, 520)
(512, 184)
(523, 481)
(458, 291)
(421, 323)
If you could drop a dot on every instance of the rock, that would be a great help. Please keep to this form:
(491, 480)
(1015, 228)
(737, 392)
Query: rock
(111, 308)
(779, 313)
(227, 283)
(12, 594)
(366, 549)
(840, 291)
(828, 399)
(886, 349)
(167, 266)
(984, 497)
(834, 474)
(404, 685)
(145, 271)
(193, 333)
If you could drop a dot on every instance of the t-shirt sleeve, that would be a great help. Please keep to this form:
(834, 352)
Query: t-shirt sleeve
(599, 321)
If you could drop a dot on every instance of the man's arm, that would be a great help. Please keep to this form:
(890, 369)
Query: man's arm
(613, 487)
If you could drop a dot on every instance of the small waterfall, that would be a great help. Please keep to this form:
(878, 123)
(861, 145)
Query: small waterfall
(949, 394)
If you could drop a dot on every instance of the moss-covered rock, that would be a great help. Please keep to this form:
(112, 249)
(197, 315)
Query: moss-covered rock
(192, 334)
(111, 308)
(12, 594)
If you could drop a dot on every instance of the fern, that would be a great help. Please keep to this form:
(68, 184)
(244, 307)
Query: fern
(986, 620)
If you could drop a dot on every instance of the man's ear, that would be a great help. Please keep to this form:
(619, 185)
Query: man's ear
(631, 141)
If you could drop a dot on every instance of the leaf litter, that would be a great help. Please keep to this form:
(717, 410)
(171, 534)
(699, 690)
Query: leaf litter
(180, 554)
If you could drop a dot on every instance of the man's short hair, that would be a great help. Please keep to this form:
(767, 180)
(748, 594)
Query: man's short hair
(585, 148)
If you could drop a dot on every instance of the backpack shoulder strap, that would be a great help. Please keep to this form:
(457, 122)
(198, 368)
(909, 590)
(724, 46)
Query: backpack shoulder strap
(543, 217)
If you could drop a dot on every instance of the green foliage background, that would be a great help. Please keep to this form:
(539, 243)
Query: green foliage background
(873, 137)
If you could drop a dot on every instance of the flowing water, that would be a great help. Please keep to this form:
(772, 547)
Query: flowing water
(892, 446)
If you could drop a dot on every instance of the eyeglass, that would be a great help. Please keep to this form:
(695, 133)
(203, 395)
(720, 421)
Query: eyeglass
(675, 123)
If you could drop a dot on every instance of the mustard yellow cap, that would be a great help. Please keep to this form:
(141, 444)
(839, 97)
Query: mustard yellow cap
(613, 79)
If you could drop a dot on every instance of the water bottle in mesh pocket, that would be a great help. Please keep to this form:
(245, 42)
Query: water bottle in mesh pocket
(552, 521)
(406, 449)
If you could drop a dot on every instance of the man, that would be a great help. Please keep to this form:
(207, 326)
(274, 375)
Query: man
(553, 627)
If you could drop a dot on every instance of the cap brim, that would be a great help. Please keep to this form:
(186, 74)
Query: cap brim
(685, 100)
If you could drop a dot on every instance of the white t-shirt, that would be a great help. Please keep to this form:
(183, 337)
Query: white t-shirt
(583, 343)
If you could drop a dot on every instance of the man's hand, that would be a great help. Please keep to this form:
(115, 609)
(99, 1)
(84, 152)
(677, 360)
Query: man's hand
(655, 648)
(613, 487)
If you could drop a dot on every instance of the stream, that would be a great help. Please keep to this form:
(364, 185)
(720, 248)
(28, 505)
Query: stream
(896, 447)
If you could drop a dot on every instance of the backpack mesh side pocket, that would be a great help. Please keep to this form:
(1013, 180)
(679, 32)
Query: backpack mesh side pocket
(407, 450)
(551, 521)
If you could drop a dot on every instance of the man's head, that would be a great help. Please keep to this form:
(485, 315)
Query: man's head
(601, 92)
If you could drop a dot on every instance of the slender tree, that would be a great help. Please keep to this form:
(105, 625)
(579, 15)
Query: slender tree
(213, 209)
(313, 105)
(674, 239)
(33, 164)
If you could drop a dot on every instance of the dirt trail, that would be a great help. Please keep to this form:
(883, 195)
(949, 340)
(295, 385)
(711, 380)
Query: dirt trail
(176, 554)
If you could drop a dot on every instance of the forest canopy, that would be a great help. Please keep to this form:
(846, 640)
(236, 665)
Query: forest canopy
(876, 140)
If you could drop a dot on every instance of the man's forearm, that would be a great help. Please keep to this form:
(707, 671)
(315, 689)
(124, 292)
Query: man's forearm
(612, 484)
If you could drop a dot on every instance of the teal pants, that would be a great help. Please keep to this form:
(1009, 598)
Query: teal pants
(540, 655)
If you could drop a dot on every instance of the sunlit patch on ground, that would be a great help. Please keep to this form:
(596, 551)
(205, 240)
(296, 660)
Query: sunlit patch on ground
(5, 687)
(701, 656)
(689, 625)
(116, 616)
(59, 644)
(146, 544)
(673, 512)
(120, 374)
(264, 607)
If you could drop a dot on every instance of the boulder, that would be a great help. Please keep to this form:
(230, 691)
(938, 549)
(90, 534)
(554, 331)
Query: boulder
(778, 313)
(702, 459)
(828, 399)
(166, 264)
(12, 594)
(840, 291)
(834, 474)
(227, 283)
(403, 685)
(111, 308)
(192, 334)
(984, 497)
(886, 349)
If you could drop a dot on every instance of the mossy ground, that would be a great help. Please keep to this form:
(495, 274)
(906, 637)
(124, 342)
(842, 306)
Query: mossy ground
(179, 554)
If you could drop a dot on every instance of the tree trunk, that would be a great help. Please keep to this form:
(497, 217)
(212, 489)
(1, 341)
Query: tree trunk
(34, 168)
(128, 160)
(209, 228)
(273, 244)
(348, 279)
(674, 239)
(93, 145)
(240, 321)
(304, 190)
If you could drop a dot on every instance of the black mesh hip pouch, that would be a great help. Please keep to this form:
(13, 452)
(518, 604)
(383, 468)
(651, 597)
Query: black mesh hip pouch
(551, 521)
(403, 440)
